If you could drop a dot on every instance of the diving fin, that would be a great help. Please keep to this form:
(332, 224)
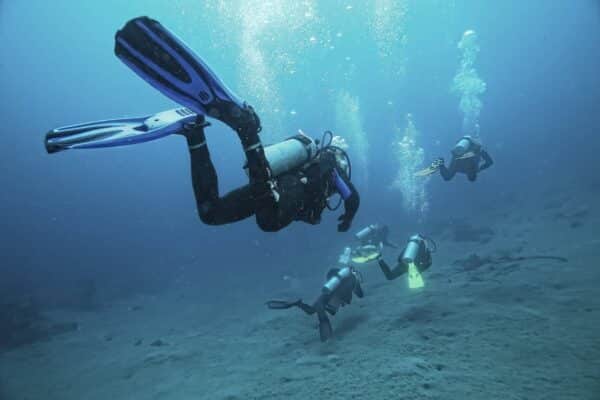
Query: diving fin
(426, 172)
(415, 280)
(325, 330)
(431, 169)
(364, 258)
(281, 304)
(165, 62)
(119, 132)
(365, 254)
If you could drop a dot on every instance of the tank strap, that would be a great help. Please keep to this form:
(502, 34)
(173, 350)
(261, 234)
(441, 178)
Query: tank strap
(253, 147)
(197, 146)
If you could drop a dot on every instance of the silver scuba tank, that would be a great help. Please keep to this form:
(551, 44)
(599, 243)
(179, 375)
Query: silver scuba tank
(412, 249)
(365, 232)
(465, 144)
(344, 258)
(290, 153)
(462, 146)
(332, 283)
(335, 281)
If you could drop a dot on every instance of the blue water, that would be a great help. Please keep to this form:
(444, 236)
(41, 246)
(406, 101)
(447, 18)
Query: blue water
(125, 217)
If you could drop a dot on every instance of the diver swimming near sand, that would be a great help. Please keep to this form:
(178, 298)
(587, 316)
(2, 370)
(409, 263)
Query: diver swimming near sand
(414, 259)
(289, 181)
(467, 157)
(374, 234)
(337, 292)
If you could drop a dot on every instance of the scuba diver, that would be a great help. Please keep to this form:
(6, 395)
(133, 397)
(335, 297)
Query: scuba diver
(289, 181)
(340, 284)
(467, 156)
(374, 234)
(414, 259)
(371, 238)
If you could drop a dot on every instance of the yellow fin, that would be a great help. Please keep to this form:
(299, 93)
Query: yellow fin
(415, 280)
(364, 259)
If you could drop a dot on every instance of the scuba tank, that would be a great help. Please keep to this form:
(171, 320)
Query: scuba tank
(417, 256)
(344, 258)
(289, 154)
(412, 250)
(465, 144)
(364, 233)
(334, 282)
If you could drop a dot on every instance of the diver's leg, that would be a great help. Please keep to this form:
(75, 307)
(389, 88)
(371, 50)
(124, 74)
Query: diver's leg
(282, 304)
(305, 307)
(325, 330)
(472, 176)
(212, 209)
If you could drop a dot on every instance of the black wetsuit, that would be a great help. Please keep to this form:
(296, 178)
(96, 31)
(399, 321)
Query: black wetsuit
(469, 166)
(328, 302)
(423, 262)
(302, 193)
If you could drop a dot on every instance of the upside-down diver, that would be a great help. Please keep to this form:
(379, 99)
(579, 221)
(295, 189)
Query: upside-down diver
(289, 181)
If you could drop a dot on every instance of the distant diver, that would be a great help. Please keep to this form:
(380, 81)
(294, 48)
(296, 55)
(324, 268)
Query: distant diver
(467, 157)
(374, 234)
(338, 289)
(289, 181)
(414, 259)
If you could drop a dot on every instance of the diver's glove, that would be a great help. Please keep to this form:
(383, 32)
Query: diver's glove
(344, 224)
(265, 191)
(438, 162)
(351, 205)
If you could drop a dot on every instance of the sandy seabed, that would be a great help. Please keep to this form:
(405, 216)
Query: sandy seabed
(520, 330)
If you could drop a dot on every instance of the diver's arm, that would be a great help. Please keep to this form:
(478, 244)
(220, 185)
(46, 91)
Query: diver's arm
(391, 274)
(448, 173)
(487, 160)
(351, 199)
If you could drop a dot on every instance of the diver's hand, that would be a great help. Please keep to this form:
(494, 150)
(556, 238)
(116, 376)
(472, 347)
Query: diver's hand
(344, 224)
(265, 191)
(438, 162)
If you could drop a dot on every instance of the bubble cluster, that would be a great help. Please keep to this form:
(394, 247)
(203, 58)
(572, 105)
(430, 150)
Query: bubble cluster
(468, 85)
(349, 124)
(410, 157)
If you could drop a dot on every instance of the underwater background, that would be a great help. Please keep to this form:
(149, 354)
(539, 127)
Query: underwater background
(400, 81)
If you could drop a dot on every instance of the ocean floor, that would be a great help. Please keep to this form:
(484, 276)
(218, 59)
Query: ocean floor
(526, 329)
